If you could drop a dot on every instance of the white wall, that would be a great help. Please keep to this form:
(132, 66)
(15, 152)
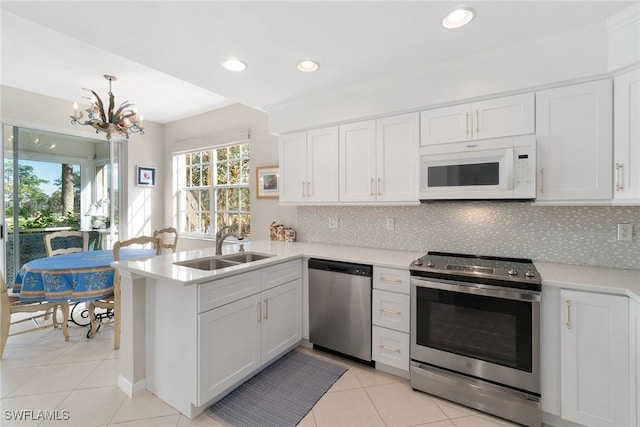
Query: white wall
(198, 132)
(31, 110)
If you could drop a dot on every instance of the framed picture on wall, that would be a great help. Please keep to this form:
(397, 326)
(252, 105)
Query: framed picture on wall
(267, 182)
(146, 176)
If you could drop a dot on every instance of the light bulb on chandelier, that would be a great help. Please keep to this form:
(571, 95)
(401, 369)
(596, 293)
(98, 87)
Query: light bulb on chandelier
(123, 121)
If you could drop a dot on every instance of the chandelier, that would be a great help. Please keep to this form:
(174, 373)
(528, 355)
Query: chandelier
(122, 121)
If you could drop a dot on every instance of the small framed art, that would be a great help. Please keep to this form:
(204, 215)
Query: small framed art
(267, 182)
(146, 176)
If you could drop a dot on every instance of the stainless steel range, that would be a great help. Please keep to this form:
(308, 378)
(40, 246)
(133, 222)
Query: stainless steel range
(475, 332)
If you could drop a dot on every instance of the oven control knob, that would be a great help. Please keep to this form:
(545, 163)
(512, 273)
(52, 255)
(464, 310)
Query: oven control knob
(418, 262)
(529, 273)
(512, 272)
(430, 263)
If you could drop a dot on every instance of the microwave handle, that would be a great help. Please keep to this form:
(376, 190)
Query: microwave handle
(509, 163)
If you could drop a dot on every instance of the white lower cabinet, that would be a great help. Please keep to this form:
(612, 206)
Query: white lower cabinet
(634, 344)
(229, 346)
(391, 318)
(236, 339)
(391, 347)
(243, 322)
(281, 324)
(391, 310)
(595, 356)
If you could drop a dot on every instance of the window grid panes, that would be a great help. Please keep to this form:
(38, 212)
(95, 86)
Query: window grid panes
(215, 190)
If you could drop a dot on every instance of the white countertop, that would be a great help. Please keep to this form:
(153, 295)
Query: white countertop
(164, 267)
(593, 279)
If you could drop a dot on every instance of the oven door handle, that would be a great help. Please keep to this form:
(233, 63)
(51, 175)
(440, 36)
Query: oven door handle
(478, 289)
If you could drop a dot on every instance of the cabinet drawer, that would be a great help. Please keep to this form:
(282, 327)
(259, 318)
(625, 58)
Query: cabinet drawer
(391, 279)
(391, 310)
(281, 273)
(223, 291)
(390, 347)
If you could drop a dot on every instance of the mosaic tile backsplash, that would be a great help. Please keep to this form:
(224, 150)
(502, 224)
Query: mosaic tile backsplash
(563, 234)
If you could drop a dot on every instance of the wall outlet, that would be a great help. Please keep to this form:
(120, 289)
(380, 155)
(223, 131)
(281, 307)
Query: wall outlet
(333, 222)
(390, 224)
(625, 231)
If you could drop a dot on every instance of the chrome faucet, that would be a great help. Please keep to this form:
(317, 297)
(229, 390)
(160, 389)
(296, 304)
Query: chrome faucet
(220, 236)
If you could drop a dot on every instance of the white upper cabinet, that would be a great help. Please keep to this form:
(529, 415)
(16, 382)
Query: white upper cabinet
(574, 150)
(493, 118)
(379, 160)
(309, 166)
(626, 145)
(358, 162)
(293, 172)
(397, 158)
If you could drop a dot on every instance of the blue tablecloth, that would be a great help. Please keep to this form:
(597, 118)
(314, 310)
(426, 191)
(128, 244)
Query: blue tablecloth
(80, 276)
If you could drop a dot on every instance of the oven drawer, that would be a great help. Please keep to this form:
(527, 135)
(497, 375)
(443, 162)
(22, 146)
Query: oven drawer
(390, 347)
(391, 310)
(391, 279)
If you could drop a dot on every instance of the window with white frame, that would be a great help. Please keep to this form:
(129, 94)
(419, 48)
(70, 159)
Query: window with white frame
(213, 190)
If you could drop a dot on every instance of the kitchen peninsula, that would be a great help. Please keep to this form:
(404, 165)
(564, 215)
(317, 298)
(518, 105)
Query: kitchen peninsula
(169, 311)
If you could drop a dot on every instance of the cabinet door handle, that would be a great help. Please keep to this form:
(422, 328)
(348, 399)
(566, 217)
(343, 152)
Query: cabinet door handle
(390, 279)
(618, 181)
(259, 310)
(466, 127)
(266, 309)
(568, 314)
(387, 311)
(384, 347)
(372, 193)
(308, 188)
(303, 194)
(542, 180)
(477, 122)
(379, 186)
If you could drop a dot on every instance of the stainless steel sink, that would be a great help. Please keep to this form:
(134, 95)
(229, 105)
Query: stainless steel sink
(246, 257)
(208, 263)
(217, 262)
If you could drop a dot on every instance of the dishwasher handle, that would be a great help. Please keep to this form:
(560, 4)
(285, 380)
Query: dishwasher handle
(341, 267)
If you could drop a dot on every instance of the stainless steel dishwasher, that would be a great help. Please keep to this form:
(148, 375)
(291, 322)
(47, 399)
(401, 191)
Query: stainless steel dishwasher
(340, 307)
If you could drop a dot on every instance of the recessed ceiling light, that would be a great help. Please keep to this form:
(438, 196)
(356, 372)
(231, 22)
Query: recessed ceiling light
(307, 66)
(458, 17)
(233, 64)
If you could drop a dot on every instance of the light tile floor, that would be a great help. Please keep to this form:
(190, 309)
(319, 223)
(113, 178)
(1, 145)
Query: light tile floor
(40, 371)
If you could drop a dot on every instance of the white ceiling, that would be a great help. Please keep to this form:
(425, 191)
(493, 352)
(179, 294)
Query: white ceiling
(167, 54)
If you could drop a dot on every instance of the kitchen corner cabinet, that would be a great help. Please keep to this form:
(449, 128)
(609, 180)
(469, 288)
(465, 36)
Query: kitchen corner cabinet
(596, 386)
(493, 118)
(308, 166)
(574, 143)
(626, 143)
(379, 160)
(391, 318)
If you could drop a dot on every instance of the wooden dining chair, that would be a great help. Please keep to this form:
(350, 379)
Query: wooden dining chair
(80, 236)
(10, 305)
(113, 301)
(69, 242)
(169, 238)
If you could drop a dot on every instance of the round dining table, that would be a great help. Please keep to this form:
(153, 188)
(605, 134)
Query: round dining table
(75, 277)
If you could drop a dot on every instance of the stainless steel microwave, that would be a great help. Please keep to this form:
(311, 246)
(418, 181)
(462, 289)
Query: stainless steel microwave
(501, 168)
